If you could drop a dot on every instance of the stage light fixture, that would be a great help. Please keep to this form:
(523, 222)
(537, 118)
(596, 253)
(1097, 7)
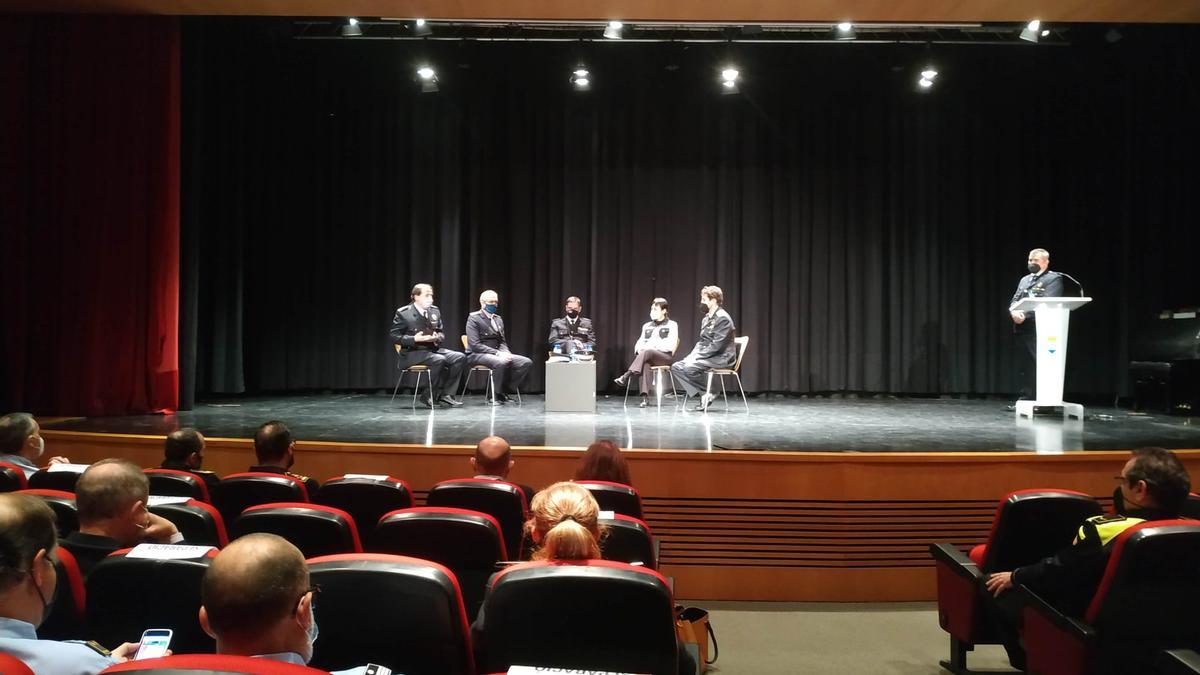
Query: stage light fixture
(729, 80)
(421, 28)
(429, 79)
(351, 29)
(925, 83)
(613, 30)
(844, 31)
(581, 78)
(929, 73)
(1032, 31)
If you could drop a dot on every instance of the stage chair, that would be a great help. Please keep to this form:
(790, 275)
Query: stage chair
(469, 543)
(590, 615)
(127, 595)
(66, 618)
(502, 500)
(419, 370)
(616, 497)
(11, 665)
(200, 523)
(12, 478)
(365, 498)
(1028, 525)
(45, 479)
(314, 529)
(173, 483)
(657, 386)
(238, 491)
(63, 505)
(628, 540)
(489, 389)
(402, 613)
(1146, 602)
(211, 664)
(742, 343)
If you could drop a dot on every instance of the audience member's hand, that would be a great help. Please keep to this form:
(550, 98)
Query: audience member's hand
(59, 460)
(125, 651)
(160, 529)
(1018, 317)
(999, 582)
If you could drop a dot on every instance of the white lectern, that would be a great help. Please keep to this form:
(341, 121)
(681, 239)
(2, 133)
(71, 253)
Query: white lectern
(1053, 322)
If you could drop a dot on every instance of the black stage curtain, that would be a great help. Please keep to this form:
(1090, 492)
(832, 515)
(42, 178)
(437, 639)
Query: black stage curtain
(868, 237)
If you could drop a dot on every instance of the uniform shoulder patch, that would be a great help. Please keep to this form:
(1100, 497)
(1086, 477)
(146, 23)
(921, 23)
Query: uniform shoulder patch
(1105, 519)
(97, 647)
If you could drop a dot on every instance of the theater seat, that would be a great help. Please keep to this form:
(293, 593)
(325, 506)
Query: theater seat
(44, 479)
(66, 618)
(593, 615)
(238, 491)
(12, 478)
(211, 664)
(314, 529)
(126, 595)
(399, 612)
(469, 543)
(616, 497)
(1028, 525)
(1191, 507)
(628, 540)
(10, 665)
(173, 483)
(502, 500)
(1146, 602)
(200, 523)
(63, 505)
(1178, 662)
(365, 498)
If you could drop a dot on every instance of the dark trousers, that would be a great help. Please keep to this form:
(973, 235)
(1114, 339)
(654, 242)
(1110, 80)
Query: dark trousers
(508, 376)
(642, 365)
(445, 367)
(693, 376)
(1006, 615)
(1026, 351)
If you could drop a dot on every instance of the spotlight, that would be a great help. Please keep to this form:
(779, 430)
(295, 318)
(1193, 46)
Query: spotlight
(925, 83)
(1032, 31)
(929, 73)
(429, 79)
(844, 31)
(729, 79)
(421, 28)
(1045, 33)
(351, 29)
(581, 79)
(613, 30)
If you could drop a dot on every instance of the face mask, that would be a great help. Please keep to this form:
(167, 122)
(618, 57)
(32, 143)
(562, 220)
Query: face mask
(572, 313)
(491, 308)
(655, 316)
(41, 446)
(1034, 268)
(313, 631)
(47, 605)
(704, 308)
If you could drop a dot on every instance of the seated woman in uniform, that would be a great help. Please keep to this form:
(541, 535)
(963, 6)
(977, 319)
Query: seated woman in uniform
(655, 347)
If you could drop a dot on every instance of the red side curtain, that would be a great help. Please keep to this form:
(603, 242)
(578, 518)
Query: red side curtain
(89, 203)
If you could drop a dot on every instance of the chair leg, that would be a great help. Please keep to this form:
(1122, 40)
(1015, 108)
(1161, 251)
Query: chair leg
(519, 401)
(466, 381)
(416, 389)
(626, 401)
(742, 391)
(397, 389)
(724, 397)
(707, 389)
(658, 388)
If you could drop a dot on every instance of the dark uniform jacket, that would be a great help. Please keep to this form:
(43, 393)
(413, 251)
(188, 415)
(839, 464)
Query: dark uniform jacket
(89, 549)
(482, 338)
(310, 484)
(409, 321)
(715, 347)
(563, 330)
(1047, 284)
(210, 478)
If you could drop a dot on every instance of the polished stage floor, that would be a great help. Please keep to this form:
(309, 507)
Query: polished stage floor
(835, 424)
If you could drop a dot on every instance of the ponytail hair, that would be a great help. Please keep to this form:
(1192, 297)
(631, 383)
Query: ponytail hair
(564, 521)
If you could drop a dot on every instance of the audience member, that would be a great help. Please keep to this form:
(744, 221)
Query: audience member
(603, 461)
(256, 600)
(276, 452)
(28, 582)
(111, 496)
(21, 442)
(1153, 485)
(184, 451)
(493, 460)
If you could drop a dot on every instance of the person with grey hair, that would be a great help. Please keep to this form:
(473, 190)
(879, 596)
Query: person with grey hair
(418, 333)
(570, 332)
(111, 496)
(183, 450)
(1039, 283)
(21, 443)
(487, 345)
(28, 584)
(714, 348)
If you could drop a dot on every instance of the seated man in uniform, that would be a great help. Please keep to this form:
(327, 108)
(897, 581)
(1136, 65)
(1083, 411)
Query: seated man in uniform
(28, 581)
(572, 332)
(487, 346)
(184, 451)
(1153, 486)
(21, 443)
(276, 453)
(112, 497)
(256, 600)
(418, 332)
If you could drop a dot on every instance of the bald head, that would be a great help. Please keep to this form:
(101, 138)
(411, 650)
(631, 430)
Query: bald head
(108, 489)
(252, 585)
(493, 457)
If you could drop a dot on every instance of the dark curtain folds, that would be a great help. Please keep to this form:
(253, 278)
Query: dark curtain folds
(867, 237)
(89, 200)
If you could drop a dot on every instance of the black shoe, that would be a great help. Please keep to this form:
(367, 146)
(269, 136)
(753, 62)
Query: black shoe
(425, 402)
(448, 401)
(1012, 407)
(503, 398)
(645, 402)
(490, 401)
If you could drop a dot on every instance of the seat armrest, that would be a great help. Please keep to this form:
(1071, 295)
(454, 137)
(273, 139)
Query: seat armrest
(1073, 627)
(951, 558)
(1054, 642)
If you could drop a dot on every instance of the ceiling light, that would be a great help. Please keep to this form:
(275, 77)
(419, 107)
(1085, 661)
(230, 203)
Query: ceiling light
(428, 77)
(1032, 31)
(581, 79)
(351, 29)
(729, 74)
(929, 73)
(925, 83)
(421, 27)
(613, 30)
(844, 31)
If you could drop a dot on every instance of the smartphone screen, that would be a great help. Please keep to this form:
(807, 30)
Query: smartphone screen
(154, 644)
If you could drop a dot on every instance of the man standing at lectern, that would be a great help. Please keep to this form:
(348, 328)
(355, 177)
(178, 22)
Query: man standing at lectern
(1039, 283)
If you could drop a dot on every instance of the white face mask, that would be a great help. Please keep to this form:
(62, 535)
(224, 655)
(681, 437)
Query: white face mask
(41, 446)
(655, 315)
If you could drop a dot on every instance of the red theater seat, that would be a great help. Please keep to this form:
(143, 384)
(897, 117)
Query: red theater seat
(314, 529)
(173, 483)
(616, 497)
(211, 664)
(236, 492)
(63, 505)
(127, 595)
(1146, 602)
(399, 612)
(366, 499)
(593, 615)
(44, 479)
(628, 540)
(502, 500)
(200, 523)
(12, 478)
(10, 665)
(66, 618)
(469, 543)
(1028, 525)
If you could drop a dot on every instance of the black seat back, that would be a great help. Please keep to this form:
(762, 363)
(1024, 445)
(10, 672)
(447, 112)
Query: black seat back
(200, 524)
(173, 483)
(366, 499)
(502, 500)
(616, 497)
(1032, 524)
(628, 540)
(239, 491)
(315, 529)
